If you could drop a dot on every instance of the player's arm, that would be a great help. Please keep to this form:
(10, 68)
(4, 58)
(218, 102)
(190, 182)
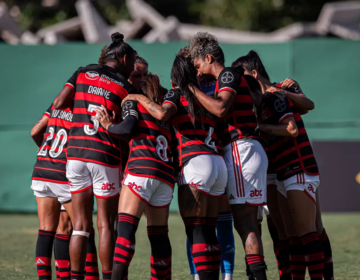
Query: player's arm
(124, 128)
(217, 106)
(66, 96)
(161, 112)
(38, 130)
(287, 128)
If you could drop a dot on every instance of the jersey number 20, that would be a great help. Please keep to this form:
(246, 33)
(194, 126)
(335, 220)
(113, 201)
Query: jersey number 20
(57, 144)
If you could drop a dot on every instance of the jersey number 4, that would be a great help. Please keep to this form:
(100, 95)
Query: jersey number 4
(208, 139)
(58, 144)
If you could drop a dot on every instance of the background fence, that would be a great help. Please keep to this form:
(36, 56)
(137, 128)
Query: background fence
(328, 71)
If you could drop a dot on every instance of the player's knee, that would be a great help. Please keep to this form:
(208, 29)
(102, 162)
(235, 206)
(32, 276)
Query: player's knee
(104, 225)
(82, 225)
(246, 226)
(64, 228)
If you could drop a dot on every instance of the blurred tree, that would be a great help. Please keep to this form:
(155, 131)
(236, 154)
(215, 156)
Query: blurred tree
(254, 15)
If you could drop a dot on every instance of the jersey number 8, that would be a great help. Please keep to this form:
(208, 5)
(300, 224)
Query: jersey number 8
(55, 145)
(161, 147)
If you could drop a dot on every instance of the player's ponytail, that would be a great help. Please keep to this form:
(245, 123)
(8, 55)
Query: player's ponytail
(117, 49)
(250, 62)
(183, 75)
(153, 89)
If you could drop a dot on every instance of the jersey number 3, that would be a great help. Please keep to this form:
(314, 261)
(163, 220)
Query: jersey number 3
(208, 139)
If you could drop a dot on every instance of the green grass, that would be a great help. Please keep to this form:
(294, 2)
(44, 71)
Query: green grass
(18, 235)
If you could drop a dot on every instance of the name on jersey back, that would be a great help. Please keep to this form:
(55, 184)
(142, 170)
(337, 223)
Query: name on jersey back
(66, 116)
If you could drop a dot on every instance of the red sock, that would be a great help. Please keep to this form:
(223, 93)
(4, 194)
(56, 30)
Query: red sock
(77, 275)
(106, 275)
(257, 266)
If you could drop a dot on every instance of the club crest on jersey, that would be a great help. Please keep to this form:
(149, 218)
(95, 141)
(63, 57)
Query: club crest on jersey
(227, 77)
(128, 105)
(280, 105)
(169, 94)
(92, 75)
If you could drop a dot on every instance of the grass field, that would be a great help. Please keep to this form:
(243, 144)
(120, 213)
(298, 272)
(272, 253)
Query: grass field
(18, 235)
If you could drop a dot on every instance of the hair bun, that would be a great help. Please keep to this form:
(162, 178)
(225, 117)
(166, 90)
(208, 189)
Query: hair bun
(117, 37)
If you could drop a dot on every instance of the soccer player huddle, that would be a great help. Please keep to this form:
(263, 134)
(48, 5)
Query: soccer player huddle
(232, 140)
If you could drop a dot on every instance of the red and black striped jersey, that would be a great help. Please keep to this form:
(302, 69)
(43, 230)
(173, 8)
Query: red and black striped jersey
(191, 140)
(51, 159)
(288, 155)
(241, 121)
(96, 85)
(150, 154)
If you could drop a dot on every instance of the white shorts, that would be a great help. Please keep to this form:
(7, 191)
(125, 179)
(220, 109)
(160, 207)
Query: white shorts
(301, 182)
(154, 192)
(104, 180)
(271, 179)
(261, 211)
(48, 189)
(247, 165)
(207, 173)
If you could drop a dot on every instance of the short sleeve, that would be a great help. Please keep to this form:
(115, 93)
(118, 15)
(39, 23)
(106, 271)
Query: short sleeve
(129, 109)
(48, 111)
(71, 83)
(279, 107)
(229, 80)
(172, 97)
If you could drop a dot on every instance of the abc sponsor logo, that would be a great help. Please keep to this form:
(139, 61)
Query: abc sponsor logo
(255, 193)
(107, 186)
(134, 186)
(92, 75)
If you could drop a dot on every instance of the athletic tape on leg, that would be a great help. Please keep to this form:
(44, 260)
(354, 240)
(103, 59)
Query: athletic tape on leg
(79, 232)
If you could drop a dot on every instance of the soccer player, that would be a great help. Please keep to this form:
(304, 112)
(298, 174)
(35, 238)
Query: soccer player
(203, 175)
(245, 158)
(291, 89)
(224, 224)
(148, 183)
(94, 154)
(138, 76)
(50, 185)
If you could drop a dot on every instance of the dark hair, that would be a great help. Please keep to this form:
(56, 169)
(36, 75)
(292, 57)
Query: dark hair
(153, 89)
(204, 43)
(183, 75)
(139, 59)
(250, 62)
(117, 49)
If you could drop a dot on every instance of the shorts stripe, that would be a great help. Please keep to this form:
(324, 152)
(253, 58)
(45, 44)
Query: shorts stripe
(242, 177)
(235, 171)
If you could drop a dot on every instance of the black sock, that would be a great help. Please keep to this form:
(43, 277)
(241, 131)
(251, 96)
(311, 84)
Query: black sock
(249, 274)
(106, 274)
(62, 256)
(91, 266)
(283, 259)
(215, 245)
(44, 247)
(77, 275)
(160, 261)
(297, 259)
(201, 248)
(125, 245)
(257, 266)
(314, 255)
(328, 262)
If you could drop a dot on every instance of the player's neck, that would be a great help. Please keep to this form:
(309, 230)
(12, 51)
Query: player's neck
(217, 69)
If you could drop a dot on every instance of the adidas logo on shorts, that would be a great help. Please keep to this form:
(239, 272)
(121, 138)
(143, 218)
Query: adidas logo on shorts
(231, 197)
